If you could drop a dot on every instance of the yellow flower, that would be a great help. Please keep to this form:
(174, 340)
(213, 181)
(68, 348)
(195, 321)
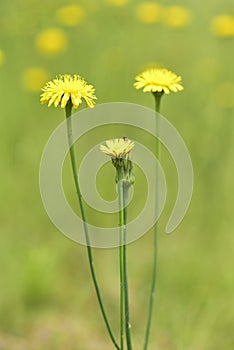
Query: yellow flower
(51, 41)
(117, 2)
(149, 12)
(223, 26)
(2, 57)
(34, 77)
(117, 148)
(158, 80)
(177, 16)
(70, 15)
(65, 88)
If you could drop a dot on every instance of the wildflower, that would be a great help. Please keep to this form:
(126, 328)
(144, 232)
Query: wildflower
(177, 16)
(51, 41)
(158, 80)
(117, 148)
(70, 15)
(65, 88)
(34, 77)
(223, 26)
(149, 12)
(119, 151)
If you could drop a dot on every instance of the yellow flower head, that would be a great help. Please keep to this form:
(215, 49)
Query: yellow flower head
(117, 148)
(223, 26)
(149, 12)
(51, 41)
(158, 80)
(65, 88)
(177, 16)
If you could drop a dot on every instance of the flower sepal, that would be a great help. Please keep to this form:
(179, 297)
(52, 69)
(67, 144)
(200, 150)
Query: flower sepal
(124, 171)
(158, 94)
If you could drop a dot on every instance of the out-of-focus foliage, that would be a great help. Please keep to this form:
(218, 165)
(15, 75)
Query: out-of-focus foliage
(46, 296)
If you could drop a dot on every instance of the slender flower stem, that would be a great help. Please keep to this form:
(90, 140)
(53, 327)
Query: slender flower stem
(79, 195)
(121, 262)
(127, 313)
(155, 243)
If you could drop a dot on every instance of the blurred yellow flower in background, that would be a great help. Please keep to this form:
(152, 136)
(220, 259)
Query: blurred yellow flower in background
(67, 87)
(117, 2)
(149, 12)
(2, 57)
(177, 16)
(33, 78)
(223, 26)
(51, 41)
(224, 94)
(71, 15)
(158, 80)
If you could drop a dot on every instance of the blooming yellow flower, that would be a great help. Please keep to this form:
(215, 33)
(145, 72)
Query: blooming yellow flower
(117, 148)
(176, 16)
(158, 80)
(149, 12)
(33, 78)
(2, 57)
(51, 41)
(65, 88)
(70, 15)
(223, 26)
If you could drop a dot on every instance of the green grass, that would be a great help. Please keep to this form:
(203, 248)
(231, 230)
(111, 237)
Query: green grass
(46, 297)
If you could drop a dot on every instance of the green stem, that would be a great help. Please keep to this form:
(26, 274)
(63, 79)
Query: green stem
(127, 313)
(155, 243)
(79, 195)
(121, 261)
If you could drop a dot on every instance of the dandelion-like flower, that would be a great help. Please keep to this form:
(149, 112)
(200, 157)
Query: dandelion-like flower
(65, 88)
(117, 148)
(223, 26)
(177, 16)
(149, 12)
(158, 80)
(51, 41)
(119, 151)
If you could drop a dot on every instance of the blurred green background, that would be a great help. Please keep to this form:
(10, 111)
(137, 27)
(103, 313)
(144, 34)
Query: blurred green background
(47, 299)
